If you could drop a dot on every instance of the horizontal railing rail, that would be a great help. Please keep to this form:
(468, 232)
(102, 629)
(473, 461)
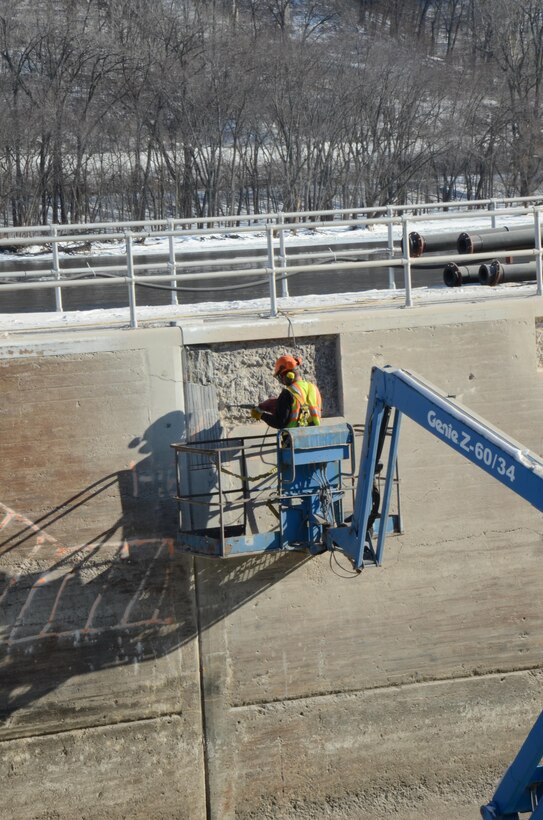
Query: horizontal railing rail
(269, 259)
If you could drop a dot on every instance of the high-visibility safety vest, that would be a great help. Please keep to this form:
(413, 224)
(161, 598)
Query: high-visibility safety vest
(307, 405)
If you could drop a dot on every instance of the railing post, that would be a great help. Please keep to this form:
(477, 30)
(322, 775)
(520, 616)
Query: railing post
(282, 254)
(538, 259)
(131, 283)
(171, 261)
(492, 208)
(56, 269)
(271, 270)
(390, 227)
(406, 262)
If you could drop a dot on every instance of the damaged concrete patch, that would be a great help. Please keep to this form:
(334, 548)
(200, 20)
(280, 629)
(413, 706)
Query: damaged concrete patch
(244, 374)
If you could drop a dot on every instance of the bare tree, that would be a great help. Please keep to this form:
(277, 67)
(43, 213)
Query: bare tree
(517, 52)
(131, 109)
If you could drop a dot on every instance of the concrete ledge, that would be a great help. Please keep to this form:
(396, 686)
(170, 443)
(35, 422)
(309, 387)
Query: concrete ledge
(368, 317)
(79, 341)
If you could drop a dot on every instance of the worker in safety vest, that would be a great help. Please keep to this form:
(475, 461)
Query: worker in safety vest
(299, 403)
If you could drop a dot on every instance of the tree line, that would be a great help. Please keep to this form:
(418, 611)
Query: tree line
(127, 109)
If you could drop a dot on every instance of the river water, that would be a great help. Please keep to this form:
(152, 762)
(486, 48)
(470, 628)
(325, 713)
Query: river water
(216, 290)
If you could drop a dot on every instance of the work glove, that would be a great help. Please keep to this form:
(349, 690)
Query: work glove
(256, 413)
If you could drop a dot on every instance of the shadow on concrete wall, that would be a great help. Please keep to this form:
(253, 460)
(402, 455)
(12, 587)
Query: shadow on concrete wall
(126, 596)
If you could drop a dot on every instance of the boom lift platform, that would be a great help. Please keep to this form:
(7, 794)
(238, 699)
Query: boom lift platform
(265, 494)
(307, 464)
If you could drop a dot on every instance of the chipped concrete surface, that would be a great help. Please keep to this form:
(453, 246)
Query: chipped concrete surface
(243, 374)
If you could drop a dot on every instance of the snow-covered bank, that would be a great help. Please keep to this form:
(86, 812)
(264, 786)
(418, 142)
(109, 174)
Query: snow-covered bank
(295, 234)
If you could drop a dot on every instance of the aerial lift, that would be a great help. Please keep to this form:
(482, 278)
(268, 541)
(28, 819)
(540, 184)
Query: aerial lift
(307, 466)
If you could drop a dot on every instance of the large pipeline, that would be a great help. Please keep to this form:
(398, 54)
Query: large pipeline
(497, 273)
(419, 244)
(486, 239)
(496, 239)
(456, 275)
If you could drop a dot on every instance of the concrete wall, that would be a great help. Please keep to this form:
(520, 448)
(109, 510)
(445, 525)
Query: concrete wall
(99, 661)
(140, 682)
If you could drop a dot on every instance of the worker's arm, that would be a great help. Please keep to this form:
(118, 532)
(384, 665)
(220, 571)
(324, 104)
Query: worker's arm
(281, 416)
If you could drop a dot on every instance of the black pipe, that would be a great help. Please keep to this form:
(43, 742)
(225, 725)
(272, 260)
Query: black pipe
(419, 244)
(496, 273)
(456, 275)
(495, 239)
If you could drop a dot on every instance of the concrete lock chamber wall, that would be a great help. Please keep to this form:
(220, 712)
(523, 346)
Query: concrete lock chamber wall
(141, 681)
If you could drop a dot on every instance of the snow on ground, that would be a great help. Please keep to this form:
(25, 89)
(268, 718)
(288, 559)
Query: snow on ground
(256, 309)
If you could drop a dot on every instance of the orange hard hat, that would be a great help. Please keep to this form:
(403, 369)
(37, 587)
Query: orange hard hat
(285, 363)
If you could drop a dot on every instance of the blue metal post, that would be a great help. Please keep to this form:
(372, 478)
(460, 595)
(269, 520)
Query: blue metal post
(352, 540)
(508, 797)
(391, 470)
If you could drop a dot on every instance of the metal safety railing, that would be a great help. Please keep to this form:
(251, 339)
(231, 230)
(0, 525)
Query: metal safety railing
(269, 257)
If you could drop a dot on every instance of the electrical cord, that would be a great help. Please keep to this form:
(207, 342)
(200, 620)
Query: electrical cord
(180, 288)
(290, 326)
(348, 572)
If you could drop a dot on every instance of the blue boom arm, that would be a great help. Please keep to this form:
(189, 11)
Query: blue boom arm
(479, 442)
(521, 788)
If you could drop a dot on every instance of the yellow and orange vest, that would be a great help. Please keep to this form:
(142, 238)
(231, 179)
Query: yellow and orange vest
(307, 405)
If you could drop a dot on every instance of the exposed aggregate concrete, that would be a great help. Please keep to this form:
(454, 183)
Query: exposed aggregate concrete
(243, 373)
